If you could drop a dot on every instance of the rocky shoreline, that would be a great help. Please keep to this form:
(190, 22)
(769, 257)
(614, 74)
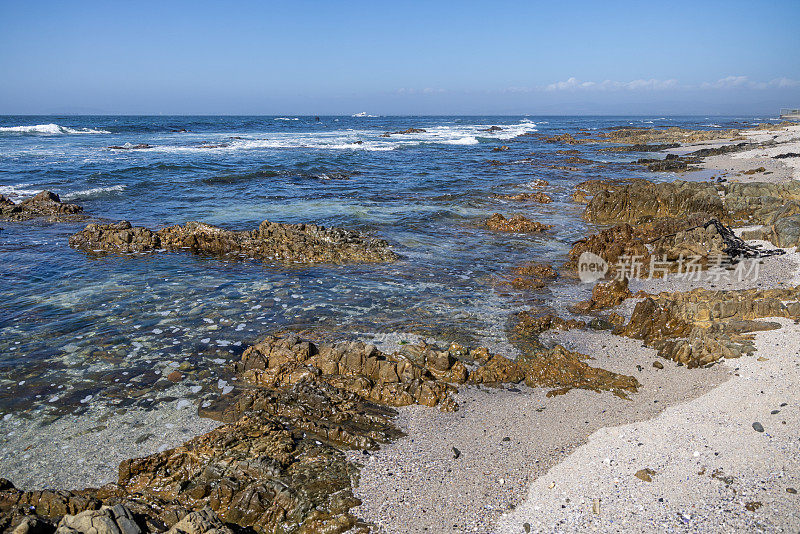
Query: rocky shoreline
(311, 438)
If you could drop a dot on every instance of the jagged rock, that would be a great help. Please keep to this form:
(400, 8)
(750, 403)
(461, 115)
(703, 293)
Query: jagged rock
(43, 204)
(492, 129)
(517, 223)
(724, 149)
(204, 521)
(391, 379)
(611, 245)
(640, 201)
(643, 201)
(605, 295)
(107, 520)
(630, 135)
(532, 276)
(298, 243)
(699, 327)
(532, 324)
(671, 163)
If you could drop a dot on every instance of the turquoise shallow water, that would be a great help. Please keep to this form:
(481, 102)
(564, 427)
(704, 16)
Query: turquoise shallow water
(77, 331)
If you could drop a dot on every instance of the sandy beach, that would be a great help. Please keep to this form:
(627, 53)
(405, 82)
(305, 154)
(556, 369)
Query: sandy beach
(529, 463)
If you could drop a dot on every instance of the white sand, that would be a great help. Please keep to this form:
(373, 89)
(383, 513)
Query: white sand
(415, 484)
(686, 445)
(733, 166)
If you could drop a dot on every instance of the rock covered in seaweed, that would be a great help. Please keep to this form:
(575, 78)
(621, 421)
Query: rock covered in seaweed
(43, 204)
(303, 243)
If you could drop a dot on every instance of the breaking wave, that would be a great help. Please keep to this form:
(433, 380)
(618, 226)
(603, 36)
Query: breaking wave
(49, 129)
(94, 192)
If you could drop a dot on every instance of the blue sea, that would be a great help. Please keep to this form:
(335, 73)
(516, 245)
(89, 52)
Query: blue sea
(79, 331)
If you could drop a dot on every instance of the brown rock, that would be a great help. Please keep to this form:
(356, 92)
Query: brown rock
(295, 243)
(517, 223)
(43, 204)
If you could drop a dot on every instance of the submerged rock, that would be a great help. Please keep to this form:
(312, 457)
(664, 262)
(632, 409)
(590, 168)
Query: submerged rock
(536, 196)
(43, 204)
(301, 243)
(517, 223)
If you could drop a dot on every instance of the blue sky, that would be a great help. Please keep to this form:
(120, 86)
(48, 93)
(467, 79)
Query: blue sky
(434, 57)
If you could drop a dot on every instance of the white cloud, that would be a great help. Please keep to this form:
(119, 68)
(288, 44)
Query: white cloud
(653, 84)
(743, 82)
(573, 84)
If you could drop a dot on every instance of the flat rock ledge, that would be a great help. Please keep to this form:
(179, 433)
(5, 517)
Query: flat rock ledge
(292, 243)
(45, 204)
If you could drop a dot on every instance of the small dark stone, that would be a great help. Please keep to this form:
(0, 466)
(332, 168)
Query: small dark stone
(758, 427)
(506, 438)
(527, 527)
(791, 490)
(456, 453)
(773, 412)
(658, 365)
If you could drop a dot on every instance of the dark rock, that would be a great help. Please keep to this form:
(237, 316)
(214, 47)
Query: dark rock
(129, 146)
(758, 427)
(43, 204)
(456, 453)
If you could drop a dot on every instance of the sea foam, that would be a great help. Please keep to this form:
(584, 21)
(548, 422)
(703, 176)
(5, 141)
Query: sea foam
(48, 129)
(95, 191)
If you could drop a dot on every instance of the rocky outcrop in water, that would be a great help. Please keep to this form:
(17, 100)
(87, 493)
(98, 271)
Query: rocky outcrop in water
(517, 223)
(45, 204)
(296, 243)
(405, 132)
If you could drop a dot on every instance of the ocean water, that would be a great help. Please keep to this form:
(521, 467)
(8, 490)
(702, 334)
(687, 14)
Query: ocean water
(77, 331)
